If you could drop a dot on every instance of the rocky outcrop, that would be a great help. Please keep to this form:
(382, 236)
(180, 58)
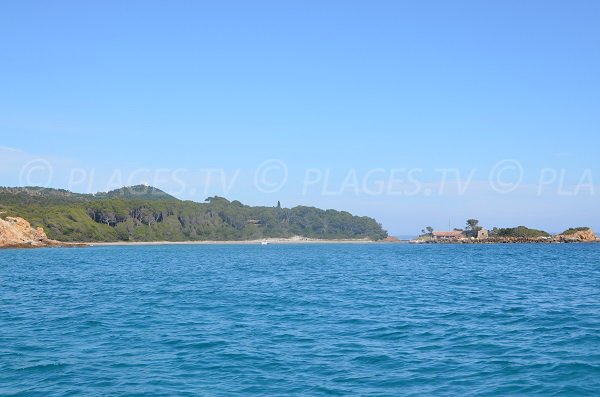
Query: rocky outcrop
(18, 233)
(489, 240)
(586, 235)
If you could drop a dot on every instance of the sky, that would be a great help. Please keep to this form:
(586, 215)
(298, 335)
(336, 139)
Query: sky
(414, 113)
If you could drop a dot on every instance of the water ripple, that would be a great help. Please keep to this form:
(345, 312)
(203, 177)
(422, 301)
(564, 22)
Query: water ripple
(378, 320)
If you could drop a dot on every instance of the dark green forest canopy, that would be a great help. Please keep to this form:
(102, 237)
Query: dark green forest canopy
(143, 213)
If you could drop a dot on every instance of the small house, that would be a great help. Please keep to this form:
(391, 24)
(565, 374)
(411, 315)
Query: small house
(453, 235)
(483, 234)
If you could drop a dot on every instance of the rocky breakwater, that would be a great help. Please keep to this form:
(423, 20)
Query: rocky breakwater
(18, 233)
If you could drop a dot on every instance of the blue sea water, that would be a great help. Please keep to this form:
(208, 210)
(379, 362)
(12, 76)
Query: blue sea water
(372, 320)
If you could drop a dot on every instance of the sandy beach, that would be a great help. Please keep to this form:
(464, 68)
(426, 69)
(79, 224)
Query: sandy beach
(240, 242)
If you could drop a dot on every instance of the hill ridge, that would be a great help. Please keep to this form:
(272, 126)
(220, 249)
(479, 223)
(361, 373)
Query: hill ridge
(145, 213)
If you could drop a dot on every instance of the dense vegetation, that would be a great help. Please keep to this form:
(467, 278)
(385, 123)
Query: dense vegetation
(519, 231)
(142, 213)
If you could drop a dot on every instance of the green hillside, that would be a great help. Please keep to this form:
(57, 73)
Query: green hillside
(142, 213)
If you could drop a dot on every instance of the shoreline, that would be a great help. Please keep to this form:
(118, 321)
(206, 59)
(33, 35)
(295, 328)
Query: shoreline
(502, 242)
(227, 242)
(278, 241)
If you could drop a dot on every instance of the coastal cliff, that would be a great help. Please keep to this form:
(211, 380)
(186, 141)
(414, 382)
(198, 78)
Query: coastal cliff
(17, 233)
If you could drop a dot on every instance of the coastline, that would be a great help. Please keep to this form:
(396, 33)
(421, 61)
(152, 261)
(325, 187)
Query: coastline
(231, 242)
(275, 242)
(508, 240)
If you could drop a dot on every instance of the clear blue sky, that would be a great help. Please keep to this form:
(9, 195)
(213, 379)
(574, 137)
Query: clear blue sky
(343, 86)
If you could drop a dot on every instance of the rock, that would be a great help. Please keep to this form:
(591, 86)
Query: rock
(18, 233)
(579, 236)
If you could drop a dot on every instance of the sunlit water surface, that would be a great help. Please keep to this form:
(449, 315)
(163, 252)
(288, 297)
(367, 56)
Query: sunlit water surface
(380, 320)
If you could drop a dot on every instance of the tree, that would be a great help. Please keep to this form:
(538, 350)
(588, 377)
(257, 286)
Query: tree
(473, 227)
(428, 231)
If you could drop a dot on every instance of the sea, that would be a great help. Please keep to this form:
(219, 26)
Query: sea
(301, 320)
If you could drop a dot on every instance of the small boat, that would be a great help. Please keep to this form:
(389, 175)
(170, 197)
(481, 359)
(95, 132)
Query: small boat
(264, 242)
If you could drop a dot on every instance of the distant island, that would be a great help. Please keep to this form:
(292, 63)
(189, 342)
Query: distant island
(473, 233)
(146, 214)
